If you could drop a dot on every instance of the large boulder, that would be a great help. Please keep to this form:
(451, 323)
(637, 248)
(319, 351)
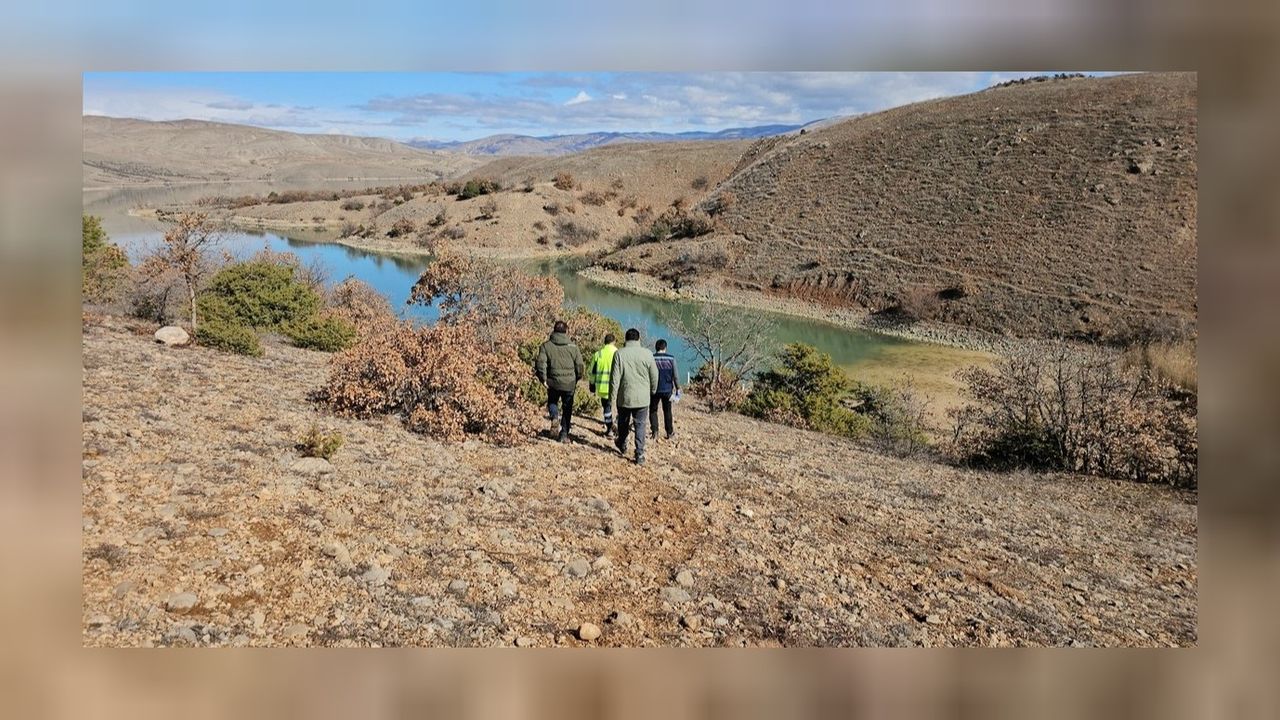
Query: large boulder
(172, 335)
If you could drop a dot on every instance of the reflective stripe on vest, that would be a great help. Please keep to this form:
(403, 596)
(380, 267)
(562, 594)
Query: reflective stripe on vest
(602, 365)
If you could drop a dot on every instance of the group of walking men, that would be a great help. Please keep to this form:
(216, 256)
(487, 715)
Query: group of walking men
(630, 378)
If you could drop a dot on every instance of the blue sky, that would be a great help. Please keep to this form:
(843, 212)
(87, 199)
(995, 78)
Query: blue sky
(464, 106)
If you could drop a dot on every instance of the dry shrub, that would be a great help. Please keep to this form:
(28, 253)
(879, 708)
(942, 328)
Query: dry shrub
(917, 304)
(456, 232)
(1172, 362)
(359, 304)
(1056, 407)
(462, 376)
(721, 203)
(573, 233)
(506, 306)
(440, 219)
(352, 204)
(403, 226)
(593, 197)
(728, 344)
(488, 210)
(444, 380)
(565, 181)
(616, 184)
(700, 183)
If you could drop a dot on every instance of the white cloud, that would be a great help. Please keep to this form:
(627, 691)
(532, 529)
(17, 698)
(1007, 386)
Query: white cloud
(580, 98)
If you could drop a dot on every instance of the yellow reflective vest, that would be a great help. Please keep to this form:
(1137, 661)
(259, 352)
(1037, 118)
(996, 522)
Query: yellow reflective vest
(601, 364)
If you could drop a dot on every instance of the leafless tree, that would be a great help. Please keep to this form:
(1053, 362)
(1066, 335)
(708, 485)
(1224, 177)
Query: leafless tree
(730, 344)
(187, 251)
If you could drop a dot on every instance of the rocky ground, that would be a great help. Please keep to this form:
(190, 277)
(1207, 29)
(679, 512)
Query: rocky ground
(203, 526)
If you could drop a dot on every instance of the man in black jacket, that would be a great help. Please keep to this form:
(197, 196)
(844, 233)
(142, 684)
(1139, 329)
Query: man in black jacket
(559, 367)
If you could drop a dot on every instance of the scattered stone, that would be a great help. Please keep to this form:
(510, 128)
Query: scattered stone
(779, 584)
(312, 466)
(451, 520)
(933, 619)
(172, 335)
(376, 575)
(524, 641)
(691, 622)
(578, 568)
(182, 632)
(124, 588)
(684, 578)
(218, 532)
(180, 602)
(99, 620)
(618, 617)
(507, 588)
(1075, 584)
(602, 563)
(746, 512)
(458, 586)
(255, 570)
(588, 631)
(722, 621)
(297, 630)
(338, 552)
(599, 504)
(167, 512)
(675, 595)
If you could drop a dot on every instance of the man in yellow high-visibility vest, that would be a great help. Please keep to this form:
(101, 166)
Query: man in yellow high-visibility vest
(601, 364)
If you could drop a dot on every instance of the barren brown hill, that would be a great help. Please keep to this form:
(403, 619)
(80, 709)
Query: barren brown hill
(123, 151)
(656, 173)
(1055, 208)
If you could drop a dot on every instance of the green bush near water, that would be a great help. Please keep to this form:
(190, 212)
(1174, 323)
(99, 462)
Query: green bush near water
(223, 335)
(260, 295)
(805, 389)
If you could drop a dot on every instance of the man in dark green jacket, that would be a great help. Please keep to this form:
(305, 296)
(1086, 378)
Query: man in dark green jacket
(632, 383)
(559, 367)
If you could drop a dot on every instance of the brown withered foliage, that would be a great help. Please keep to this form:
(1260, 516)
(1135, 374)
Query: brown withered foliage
(462, 376)
(503, 305)
(358, 303)
(442, 380)
(1058, 407)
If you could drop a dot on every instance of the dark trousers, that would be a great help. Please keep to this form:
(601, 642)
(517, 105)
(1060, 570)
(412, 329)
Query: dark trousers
(663, 399)
(627, 417)
(556, 400)
(606, 404)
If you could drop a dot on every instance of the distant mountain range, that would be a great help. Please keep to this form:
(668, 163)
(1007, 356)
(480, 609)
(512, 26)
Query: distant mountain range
(545, 145)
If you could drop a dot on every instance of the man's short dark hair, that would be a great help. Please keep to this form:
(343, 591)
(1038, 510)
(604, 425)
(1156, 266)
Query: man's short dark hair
(661, 345)
(560, 326)
(608, 338)
(633, 334)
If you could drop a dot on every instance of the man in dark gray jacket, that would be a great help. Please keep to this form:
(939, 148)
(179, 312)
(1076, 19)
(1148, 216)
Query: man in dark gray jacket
(559, 367)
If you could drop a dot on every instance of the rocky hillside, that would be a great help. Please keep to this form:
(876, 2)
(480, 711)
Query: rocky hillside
(202, 526)
(1061, 207)
(656, 173)
(124, 151)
